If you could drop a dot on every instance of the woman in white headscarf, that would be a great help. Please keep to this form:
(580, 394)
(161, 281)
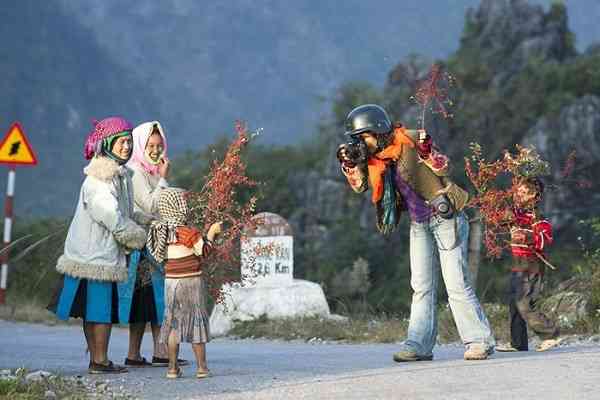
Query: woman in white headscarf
(142, 296)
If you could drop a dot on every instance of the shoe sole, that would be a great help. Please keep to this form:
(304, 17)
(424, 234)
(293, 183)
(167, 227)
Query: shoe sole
(554, 346)
(160, 365)
(476, 358)
(176, 375)
(479, 358)
(96, 372)
(418, 358)
(166, 364)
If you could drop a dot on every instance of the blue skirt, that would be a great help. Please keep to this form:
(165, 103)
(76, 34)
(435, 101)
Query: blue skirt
(91, 300)
(142, 304)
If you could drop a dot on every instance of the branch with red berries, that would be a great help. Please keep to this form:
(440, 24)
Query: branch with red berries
(219, 200)
(432, 93)
(493, 202)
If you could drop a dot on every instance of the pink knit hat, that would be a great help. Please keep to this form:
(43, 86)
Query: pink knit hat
(103, 129)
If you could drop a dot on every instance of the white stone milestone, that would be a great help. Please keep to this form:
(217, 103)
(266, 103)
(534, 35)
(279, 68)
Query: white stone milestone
(274, 267)
(269, 287)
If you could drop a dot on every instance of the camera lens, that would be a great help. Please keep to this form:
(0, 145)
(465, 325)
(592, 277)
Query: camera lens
(443, 208)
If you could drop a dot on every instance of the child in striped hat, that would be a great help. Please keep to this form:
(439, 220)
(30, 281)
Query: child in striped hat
(181, 248)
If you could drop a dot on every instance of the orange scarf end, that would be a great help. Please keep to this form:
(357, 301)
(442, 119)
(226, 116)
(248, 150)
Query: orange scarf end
(377, 164)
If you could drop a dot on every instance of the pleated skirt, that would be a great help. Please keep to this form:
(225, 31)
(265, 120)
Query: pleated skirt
(185, 310)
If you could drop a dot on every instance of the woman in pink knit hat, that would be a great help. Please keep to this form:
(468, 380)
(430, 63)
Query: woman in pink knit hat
(104, 230)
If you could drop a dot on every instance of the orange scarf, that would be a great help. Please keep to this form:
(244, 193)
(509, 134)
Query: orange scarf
(188, 236)
(378, 162)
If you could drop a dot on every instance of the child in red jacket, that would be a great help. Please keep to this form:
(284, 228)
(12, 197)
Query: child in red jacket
(530, 235)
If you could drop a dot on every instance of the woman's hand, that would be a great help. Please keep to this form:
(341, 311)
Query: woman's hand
(424, 144)
(163, 167)
(342, 155)
(214, 230)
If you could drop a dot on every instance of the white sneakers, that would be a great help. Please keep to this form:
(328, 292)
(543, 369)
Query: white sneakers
(545, 345)
(477, 351)
(548, 344)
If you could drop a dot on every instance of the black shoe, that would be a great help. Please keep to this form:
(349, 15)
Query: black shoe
(164, 362)
(137, 363)
(109, 368)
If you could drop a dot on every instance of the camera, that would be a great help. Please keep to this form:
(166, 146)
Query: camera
(356, 151)
(442, 207)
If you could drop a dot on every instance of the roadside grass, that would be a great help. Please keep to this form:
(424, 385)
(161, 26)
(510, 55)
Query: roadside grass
(381, 329)
(361, 328)
(17, 387)
(31, 311)
(357, 328)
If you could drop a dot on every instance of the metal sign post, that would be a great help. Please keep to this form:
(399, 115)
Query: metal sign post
(14, 150)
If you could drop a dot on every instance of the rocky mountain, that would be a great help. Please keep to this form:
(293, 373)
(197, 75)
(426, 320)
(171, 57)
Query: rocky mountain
(575, 128)
(275, 64)
(212, 63)
(508, 34)
(520, 80)
(199, 66)
(499, 42)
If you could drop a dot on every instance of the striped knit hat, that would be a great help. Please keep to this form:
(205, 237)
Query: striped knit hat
(102, 130)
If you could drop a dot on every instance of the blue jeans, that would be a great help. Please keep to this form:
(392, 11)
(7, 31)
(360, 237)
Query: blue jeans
(451, 238)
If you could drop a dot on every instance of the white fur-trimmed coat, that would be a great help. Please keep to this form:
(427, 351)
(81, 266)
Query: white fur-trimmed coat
(104, 227)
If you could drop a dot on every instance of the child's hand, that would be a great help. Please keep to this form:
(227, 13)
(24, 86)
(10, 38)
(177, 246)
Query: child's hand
(214, 230)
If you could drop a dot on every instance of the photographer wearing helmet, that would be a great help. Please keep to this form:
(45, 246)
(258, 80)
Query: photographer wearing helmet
(406, 173)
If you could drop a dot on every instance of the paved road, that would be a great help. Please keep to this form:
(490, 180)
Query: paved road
(258, 369)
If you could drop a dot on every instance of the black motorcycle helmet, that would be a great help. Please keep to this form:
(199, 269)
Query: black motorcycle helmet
(368, 118)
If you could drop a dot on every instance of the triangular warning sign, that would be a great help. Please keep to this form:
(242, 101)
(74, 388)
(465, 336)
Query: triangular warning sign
(15, 148)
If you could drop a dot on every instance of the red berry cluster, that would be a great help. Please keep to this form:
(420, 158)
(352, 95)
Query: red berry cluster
(433, 91)
(219, 200)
